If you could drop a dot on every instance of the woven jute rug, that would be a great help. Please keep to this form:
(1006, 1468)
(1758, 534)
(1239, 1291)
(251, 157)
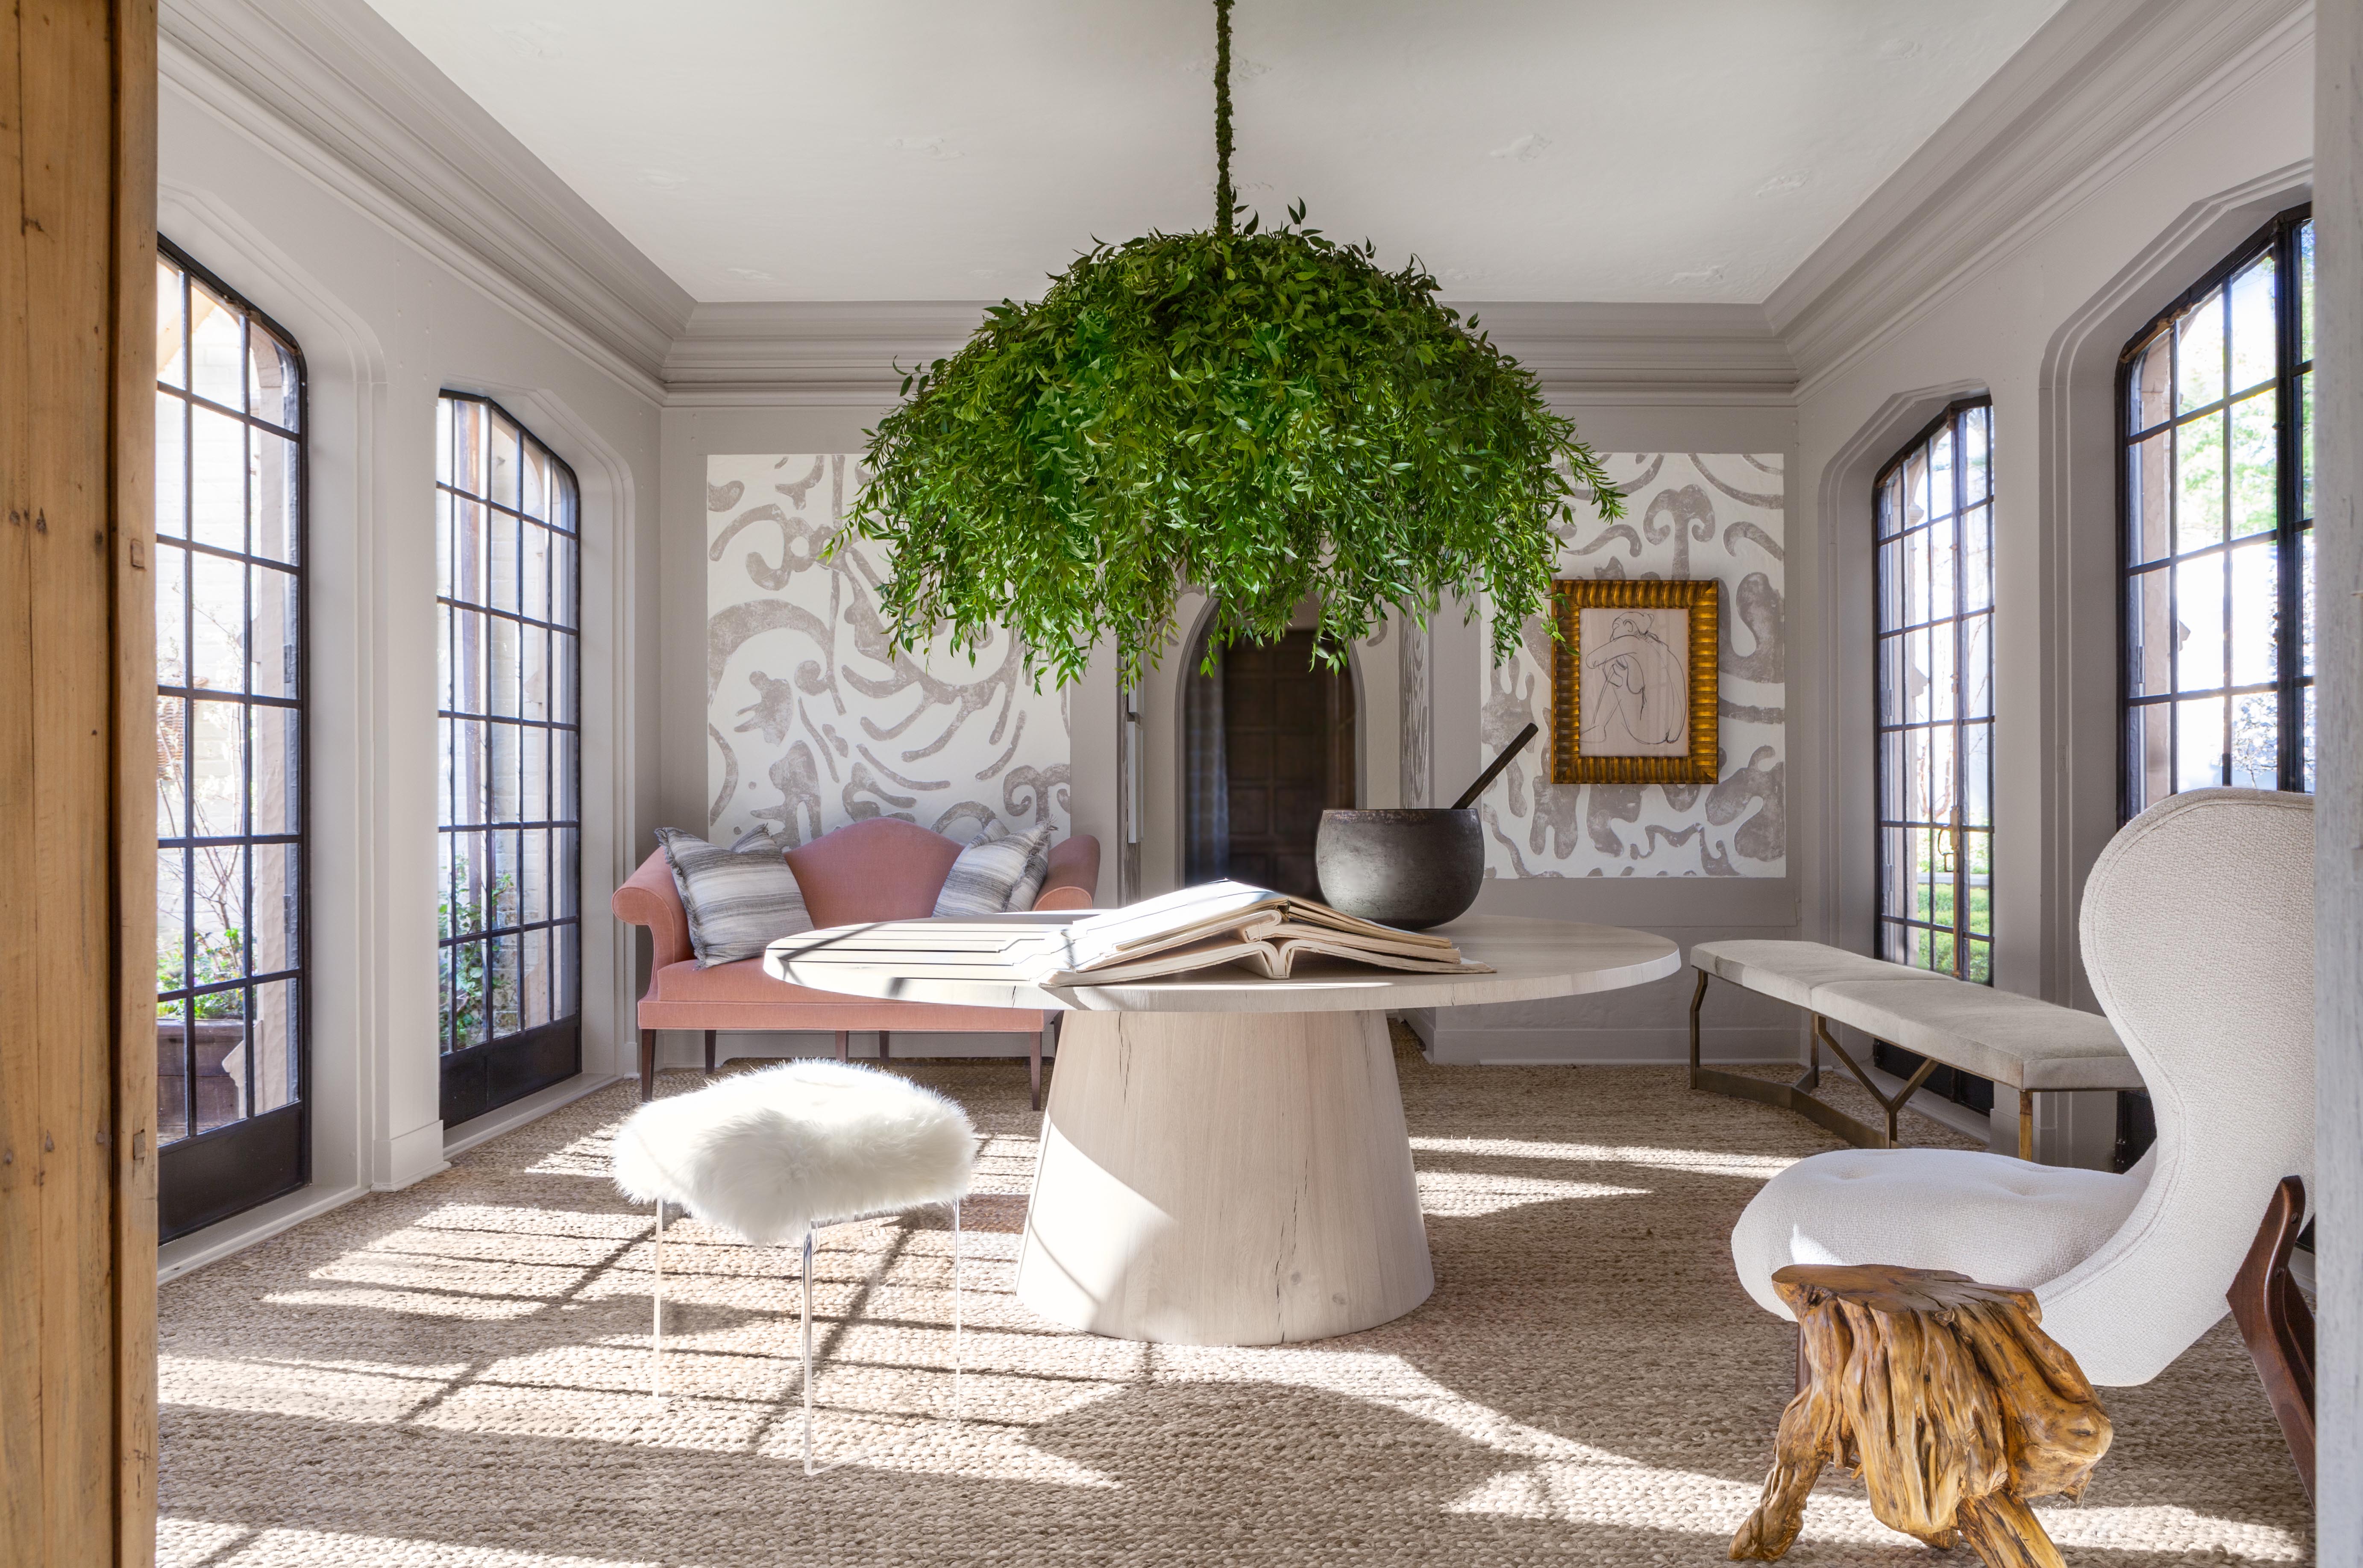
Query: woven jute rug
(458, 1373)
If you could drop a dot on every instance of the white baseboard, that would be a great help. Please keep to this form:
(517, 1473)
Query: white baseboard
(186, 1253)
(410, 1159)
(1602, 1046)
(214, 1242)
(686, 1048)
(516, 1113)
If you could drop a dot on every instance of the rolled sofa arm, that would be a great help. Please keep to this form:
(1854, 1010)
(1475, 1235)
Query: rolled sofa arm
(1074, 879)
(649, 898)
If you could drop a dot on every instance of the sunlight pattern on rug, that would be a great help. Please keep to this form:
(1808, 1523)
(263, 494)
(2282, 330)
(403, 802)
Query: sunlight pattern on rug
(458, 1374)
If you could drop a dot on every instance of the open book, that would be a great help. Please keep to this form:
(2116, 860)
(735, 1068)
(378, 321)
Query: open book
(1230, 922)
(1224, 923)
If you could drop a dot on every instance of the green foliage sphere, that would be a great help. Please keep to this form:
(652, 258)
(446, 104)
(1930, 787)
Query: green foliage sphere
(1262, 416)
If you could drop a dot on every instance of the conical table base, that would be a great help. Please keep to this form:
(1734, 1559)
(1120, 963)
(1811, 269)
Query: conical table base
(1224, 1179)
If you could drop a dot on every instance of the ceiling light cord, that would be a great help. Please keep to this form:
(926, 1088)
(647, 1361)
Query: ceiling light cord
(1225, 198)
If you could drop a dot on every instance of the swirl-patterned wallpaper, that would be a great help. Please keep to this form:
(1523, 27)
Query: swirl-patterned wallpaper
(1689, 515)
(811, 721)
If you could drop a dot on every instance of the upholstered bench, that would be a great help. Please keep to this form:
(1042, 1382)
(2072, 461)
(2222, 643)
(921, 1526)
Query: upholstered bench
(2016, 1041)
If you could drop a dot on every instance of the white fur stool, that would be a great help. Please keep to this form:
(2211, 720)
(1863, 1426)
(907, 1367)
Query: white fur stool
(774, 1154)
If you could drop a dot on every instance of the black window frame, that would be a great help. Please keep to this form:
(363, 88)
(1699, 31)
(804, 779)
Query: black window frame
(207, 1175)
(1958, 617)
(485, 1075)
(2293, 519)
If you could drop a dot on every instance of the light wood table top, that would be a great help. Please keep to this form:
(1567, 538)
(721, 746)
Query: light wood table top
(1531, 960)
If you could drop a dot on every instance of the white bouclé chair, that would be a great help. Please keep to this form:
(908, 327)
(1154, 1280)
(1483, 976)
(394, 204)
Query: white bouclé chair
(2198, 936)
(770, 1156)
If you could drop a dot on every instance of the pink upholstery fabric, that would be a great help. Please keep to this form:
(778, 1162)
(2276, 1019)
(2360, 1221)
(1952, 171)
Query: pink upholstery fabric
(878, 870)
(649, 898)
(741, 996)
(1074, 869)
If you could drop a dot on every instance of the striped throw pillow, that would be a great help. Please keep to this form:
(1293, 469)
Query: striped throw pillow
(737, 904)
(998, 872)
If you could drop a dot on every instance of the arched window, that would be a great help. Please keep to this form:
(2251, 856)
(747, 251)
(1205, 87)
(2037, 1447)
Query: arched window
(2215, 405)
(230, 915)
(1934, 677)
(508, 904)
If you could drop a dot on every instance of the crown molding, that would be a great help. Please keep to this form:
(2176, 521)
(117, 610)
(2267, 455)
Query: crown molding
(1642, 354)
(2096, 88)
(848, 352)
(332, 87)
(819, 352)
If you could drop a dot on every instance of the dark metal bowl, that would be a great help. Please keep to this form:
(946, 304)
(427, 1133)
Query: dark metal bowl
(1408, 868)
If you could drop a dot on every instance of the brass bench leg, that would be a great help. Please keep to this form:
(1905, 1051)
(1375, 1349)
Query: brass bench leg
(1788, 1096)
(1892, 1107)
(1697, 998)
(2027, 1125)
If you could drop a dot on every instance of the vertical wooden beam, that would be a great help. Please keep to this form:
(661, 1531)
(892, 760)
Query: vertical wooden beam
(77, 1287)
(133, 433)
(20, 1122)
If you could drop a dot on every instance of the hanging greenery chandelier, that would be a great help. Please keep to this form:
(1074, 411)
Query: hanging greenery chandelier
(1262, 414)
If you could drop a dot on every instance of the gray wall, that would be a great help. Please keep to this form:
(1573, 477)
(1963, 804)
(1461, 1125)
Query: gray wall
(2338, 827)
(2038, 324)
(1648, 1023)
(385, 322)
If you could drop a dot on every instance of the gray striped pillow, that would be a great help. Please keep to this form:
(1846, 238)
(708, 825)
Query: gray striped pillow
(998, 872)
(737, 904)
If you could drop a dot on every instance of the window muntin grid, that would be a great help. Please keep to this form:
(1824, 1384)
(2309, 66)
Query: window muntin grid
(230, 777)
(508, 912)
(2215, 412)
(1935, 696)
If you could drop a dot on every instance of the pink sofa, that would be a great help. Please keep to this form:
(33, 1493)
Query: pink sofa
(880, 868)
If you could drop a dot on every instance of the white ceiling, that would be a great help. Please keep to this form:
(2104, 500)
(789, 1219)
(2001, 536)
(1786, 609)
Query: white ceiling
(1527, 150)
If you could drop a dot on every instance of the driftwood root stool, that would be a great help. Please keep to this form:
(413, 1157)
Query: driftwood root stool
(1948, 1399)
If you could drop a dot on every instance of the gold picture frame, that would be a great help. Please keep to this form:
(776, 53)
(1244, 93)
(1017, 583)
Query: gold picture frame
(1656, 718)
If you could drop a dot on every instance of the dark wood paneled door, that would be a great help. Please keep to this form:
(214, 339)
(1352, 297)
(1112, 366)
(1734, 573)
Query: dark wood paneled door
(1288, 737)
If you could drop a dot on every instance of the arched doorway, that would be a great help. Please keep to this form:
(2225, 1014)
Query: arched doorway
(1268, 745)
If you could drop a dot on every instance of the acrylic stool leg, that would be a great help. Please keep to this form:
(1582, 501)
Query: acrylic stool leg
(959, 1357)
(656, 1308)
(808, 1355)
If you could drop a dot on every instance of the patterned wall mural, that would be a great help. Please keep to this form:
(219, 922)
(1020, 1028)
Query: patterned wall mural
(811, 721)
(1689, 515)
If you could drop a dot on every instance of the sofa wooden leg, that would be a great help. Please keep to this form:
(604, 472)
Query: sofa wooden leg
(648, 1065)
(884, 1050)
(709, 1052)
(845, 1045)
(2278, 1325)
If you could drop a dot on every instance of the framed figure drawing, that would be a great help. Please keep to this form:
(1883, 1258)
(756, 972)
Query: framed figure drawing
(1633, 681)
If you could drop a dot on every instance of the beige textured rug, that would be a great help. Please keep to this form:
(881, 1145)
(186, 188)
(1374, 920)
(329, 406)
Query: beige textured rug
(458, 1374)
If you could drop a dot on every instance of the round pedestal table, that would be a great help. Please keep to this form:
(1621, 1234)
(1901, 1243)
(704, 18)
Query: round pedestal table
(1224, 1160)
